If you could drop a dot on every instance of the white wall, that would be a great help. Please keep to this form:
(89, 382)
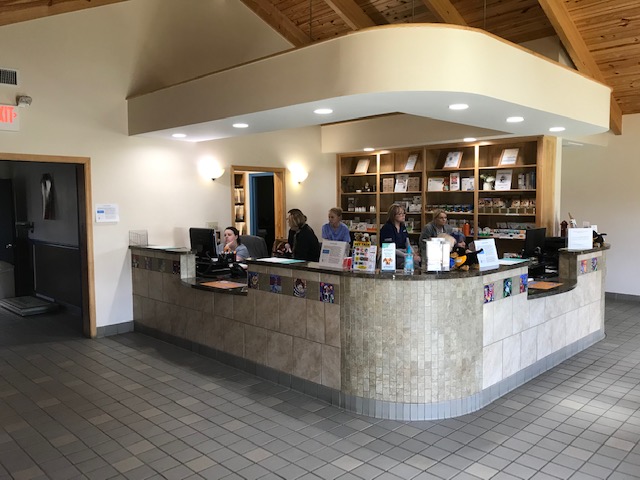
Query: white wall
(600, 185)
(79, 69)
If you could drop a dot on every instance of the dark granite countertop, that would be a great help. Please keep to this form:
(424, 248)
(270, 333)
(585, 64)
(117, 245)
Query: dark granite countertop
(566, 251)
(397, 275)
(567, 285)
(199, 283)
(161, 248)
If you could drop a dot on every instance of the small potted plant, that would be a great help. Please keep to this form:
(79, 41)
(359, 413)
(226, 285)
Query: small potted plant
(488, 181)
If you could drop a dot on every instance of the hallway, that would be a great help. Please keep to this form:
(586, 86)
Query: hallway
(133, 407)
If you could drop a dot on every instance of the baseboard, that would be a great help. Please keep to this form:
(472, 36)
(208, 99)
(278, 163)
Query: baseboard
(624, 297)
(118, 328)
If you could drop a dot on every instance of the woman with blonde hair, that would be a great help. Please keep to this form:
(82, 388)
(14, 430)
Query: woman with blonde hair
(395, 231)
(335, 229)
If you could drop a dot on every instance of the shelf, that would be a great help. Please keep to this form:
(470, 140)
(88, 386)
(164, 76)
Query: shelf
(359, 193)
(516, 190)
(373, 174)
(401, 172)
(452, 213)
(507, 214)
(452, 170)
(500, 238)
(454, 191)
(403, 193)
(507, 167)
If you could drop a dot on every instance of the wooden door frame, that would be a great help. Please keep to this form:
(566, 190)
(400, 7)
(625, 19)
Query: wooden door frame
(89, 328)
(279, 201)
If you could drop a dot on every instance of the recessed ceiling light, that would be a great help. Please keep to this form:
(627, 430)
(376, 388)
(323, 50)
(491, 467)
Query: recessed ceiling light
(240, 125)
(458, 106)
(178, 135)
(557, 129)
(515, 119)
(322, 111)
(469, 139)
(368, 149)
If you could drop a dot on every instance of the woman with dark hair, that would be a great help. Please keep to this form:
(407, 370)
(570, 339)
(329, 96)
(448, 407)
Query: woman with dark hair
(395, 231)
(232, 243)
(303, 243)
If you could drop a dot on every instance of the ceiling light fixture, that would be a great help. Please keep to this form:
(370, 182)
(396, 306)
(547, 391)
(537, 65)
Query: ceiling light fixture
(368, 149)
(515, 119)
(240, 125)
(458, 106)
(557, 129)
(178, 135)
(469, 139)
(323, 111)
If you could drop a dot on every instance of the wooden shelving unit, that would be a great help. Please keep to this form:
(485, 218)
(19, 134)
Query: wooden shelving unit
(365, 197)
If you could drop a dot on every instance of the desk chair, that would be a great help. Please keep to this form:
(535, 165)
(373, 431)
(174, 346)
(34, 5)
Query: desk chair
(256, 245)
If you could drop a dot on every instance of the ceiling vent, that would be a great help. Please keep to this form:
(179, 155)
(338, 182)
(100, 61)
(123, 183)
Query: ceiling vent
(8, 76)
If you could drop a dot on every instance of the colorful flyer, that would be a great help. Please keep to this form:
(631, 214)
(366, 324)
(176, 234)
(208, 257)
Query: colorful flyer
(594, 264)
(583, 266)
(300, 288)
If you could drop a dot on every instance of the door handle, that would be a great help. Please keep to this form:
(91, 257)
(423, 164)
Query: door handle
(8, 245)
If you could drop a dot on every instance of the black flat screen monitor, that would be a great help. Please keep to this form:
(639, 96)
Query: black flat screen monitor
(534, 242)
(203, 242)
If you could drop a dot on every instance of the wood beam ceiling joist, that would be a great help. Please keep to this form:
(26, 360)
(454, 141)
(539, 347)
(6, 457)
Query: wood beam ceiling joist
(22, 11)
(351, 13)
(278, 21)
(577, 49)
(445, 12)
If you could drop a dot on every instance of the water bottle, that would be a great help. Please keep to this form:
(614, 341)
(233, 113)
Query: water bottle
(408, 261)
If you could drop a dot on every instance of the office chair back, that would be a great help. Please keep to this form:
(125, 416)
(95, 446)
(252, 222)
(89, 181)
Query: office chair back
(256, 245)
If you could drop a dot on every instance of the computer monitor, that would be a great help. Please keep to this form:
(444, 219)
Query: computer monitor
(203, 242)
(534, 242)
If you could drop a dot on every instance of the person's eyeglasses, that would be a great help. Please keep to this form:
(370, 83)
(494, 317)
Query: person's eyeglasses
(400, 213)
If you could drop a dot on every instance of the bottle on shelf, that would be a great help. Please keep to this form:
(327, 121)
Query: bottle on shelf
(408, 260)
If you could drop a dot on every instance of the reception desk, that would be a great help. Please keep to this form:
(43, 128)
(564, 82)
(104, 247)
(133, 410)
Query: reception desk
(395, 346)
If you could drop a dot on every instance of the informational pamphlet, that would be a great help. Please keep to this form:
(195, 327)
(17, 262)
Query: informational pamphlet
(580, 238)
(509, 156)
(411, 162)
(364, 257)
(488, 258)
(333, 252)
(452, 160)
(438, 255)
(454, 181)
(388, 257)
(503, 179)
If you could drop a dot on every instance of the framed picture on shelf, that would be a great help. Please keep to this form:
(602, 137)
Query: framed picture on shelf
(387, 185)
(503, 179)
(435, 184)
(452, 160)
(362, 166)
(402, 182)
(454, 182)
(411, 162)
(509, 156)
(413, 185)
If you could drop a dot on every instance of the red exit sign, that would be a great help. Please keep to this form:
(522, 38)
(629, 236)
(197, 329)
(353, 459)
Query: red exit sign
(9, 118)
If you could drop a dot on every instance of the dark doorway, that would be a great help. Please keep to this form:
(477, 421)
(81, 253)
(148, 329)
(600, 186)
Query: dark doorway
(7, 221)
(262, 206)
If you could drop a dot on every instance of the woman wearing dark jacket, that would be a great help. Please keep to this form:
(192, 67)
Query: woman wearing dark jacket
(395, 231)
(302, 240)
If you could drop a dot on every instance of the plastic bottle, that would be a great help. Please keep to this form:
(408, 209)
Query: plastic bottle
(466, 229)
(408, 261)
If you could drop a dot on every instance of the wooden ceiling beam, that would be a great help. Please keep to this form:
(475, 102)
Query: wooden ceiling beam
(577, 49)
(445, 12)
(23, 11)
(278, 21)
(351, 13)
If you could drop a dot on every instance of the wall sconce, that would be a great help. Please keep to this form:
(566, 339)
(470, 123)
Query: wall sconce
(209, 168)
(298, 173)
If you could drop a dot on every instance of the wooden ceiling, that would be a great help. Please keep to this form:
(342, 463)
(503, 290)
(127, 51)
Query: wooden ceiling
(602, 37)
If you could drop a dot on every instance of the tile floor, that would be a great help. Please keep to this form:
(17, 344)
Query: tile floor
(133, 407)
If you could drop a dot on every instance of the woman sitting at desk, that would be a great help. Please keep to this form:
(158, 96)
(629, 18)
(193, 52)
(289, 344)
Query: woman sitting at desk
(233, 244)
(395, 231)
(335, 229)
(302, 242)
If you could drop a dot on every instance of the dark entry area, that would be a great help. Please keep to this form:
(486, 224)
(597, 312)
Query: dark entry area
(262, 206)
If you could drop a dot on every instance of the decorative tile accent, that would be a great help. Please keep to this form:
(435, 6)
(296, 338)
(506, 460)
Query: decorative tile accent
(176, 267)
(275, 283)
(583, 267)
(147, 263)
(507, 285)
(254, 280)
(488, 293)
(135, 261)
(327, 294)
(594, 264)
(300, 288)
(524, 283)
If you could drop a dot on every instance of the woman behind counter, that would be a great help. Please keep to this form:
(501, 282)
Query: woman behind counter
(394, 230)
(302, 242)
(232, 243)
(436, 227)
(335, 229)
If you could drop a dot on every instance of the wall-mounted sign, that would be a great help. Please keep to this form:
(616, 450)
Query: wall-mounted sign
(9, 118)
(107, 212)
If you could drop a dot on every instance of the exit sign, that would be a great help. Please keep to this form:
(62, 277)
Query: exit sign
(9, 118)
